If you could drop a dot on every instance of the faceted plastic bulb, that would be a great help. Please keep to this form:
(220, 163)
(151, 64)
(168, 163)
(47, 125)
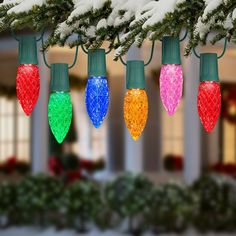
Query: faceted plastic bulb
(171, 87)
(97, 99)
(60, 114)
(28, 86)
(136, 111)
(209, 104)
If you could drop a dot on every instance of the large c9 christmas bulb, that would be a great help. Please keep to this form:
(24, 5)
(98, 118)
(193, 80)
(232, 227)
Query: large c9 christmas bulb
(97, 90)
(136, 100)
(59, 106)
(171, 78)
(27, 80)
(136, 111)
(209, 94)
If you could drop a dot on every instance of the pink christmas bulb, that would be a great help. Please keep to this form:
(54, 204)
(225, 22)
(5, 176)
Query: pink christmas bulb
(171, 87)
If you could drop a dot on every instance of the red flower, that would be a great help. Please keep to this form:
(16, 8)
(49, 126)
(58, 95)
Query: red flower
(10, 165)
(178, 163)
(72, 176)
(228, 169)
(55, 166)
(173, 162)
(86, 165)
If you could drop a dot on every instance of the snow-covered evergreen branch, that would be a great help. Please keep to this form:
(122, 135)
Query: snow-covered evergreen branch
(96, 21)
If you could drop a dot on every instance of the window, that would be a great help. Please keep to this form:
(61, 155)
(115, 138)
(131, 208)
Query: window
(14, 131)
(228, 124)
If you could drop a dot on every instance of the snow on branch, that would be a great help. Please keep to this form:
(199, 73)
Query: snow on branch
(134, 20)
(82, 7)
(24, 5)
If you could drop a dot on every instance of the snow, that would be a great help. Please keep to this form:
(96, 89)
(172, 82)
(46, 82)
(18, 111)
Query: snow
(181, 1)
(118, 52)
(63, 30)
(26, 5)
(210, 6)
(202, 28)
(130, 10)
(82, 7)
(129, 7)
(234, 14)
(228, 24)
(102, 24)
(6, 2)
(91, 32)
(115, 11)
(154, 12)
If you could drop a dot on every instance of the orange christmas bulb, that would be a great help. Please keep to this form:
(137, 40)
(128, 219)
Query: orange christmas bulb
(136, 111)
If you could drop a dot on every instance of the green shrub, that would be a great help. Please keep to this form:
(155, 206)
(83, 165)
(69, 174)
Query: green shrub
(171, 207)
(210, 204)
(128, 196)
(81, 201)
(216, 206)
(8, 201)
(36, 196)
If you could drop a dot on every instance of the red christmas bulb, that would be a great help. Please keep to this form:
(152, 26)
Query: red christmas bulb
(209, 104)
(28, 86)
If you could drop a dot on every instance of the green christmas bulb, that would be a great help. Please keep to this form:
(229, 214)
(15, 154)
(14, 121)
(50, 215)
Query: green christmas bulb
(60, 114)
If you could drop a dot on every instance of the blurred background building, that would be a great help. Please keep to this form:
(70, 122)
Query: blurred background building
(180, 137)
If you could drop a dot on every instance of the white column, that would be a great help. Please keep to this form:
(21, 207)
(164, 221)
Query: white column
(192, 131)
(214, 145)
(39, 124)
(211, 147)
(133, 149)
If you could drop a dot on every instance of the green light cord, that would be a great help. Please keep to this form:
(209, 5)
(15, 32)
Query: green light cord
(221, 55)
(149, 60)
(225, 47)
(151, 56)
(45, 60)
(185, 36)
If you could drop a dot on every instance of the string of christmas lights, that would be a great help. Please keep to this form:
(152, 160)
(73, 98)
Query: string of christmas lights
(97, 89)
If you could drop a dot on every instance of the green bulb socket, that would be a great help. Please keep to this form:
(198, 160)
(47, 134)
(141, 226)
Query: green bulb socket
(28, 50)
(97, 63)
(135, 76)
(209, 67)
(59, 78)
(171, 50)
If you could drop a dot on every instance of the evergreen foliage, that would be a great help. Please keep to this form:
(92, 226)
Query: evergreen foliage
(133, 20)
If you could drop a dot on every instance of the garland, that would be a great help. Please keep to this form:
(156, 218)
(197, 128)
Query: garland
(134, 20)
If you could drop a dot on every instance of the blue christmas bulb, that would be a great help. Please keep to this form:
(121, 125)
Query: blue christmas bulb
(97, 99)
